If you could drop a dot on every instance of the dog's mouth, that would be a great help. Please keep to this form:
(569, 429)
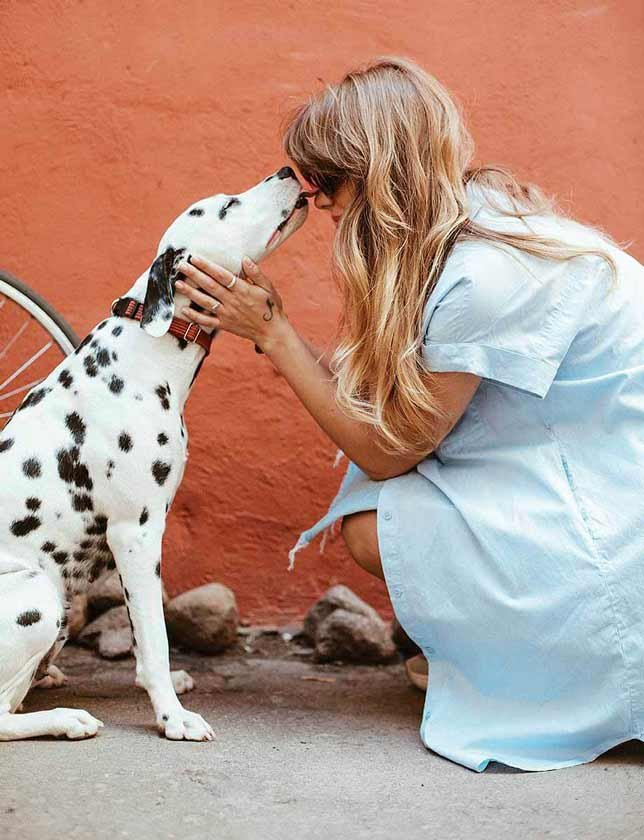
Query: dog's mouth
(301, 203)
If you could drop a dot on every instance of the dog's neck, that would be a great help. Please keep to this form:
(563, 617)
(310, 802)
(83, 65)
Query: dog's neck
(179, 361)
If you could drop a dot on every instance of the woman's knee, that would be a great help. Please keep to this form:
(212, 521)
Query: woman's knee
(360, 534)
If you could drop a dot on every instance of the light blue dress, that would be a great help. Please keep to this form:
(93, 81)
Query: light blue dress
(514, 554)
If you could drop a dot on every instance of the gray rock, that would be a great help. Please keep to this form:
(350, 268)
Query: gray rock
(109, 634)
(203, 619)
(351, 637)
(336, 598)
(107, 592)
(103, 594)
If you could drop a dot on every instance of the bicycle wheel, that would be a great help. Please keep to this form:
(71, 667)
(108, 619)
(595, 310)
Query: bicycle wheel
(33, 340)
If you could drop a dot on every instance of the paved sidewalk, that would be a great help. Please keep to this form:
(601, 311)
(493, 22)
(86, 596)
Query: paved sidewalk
(296, 758)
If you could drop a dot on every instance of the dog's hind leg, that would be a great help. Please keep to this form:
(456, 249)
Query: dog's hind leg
(137, 553)
(31, 615)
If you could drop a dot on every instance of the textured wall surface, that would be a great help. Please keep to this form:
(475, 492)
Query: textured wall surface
(115, 116)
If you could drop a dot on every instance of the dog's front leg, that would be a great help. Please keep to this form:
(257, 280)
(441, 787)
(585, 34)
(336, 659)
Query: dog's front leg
(138, 555)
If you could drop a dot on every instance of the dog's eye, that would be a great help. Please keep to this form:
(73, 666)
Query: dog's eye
(230, 203)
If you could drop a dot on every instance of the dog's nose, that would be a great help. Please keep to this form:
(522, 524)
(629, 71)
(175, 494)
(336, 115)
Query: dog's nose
(286, 172)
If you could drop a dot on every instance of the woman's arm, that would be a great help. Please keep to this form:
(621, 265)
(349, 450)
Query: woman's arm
(253, 310)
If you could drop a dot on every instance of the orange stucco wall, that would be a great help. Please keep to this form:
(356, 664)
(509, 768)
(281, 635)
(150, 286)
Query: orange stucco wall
(114, 116)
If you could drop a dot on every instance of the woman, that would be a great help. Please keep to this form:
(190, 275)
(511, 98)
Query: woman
(488, 389)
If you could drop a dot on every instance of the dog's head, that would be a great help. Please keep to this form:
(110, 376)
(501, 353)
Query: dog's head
(223, 228)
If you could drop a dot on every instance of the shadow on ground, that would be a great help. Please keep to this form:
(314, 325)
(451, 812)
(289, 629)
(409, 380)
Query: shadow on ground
(302, 751)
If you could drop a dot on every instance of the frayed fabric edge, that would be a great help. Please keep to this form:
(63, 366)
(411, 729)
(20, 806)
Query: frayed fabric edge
(303, 542)
(299, 545)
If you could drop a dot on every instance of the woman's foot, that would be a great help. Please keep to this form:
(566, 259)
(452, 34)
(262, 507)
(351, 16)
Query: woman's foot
(417, 669)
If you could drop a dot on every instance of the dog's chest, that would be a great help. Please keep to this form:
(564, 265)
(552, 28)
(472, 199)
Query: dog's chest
(100, 440)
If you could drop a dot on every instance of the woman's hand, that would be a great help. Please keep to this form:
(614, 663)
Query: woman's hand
(249, 307)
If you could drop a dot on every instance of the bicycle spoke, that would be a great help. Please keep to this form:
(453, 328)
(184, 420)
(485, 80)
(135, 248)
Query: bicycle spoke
(26, 364)
(21, 389)
(13, 339)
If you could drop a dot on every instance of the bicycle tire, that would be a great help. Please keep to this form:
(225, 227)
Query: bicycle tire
(39, 308)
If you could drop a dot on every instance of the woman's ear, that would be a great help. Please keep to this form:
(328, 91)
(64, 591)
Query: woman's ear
(158, 306)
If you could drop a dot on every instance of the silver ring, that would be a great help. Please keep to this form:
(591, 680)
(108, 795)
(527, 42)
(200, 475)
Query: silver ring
(214, 306)
(232, 282)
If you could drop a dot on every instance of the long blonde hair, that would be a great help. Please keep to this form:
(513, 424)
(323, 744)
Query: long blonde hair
(394, 132)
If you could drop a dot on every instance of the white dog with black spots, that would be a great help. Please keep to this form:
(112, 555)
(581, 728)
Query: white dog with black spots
(92, 458)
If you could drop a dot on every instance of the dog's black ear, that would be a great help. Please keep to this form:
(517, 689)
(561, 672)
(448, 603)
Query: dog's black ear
(158, 306)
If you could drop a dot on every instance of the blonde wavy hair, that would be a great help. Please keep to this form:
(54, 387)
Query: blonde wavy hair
(395, 133)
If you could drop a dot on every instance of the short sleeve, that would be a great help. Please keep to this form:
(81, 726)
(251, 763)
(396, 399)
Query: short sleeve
(507, 316)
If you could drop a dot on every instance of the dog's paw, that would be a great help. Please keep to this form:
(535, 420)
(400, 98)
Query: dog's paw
(73, 723)
(182, 681)
(182, 725)
(53, 678)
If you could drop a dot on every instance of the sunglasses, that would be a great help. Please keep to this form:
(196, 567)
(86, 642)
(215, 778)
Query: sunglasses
(327, 184)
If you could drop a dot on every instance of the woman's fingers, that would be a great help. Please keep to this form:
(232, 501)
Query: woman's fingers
(211, 277)
(208, 302)
(201, 318)
(256, 276)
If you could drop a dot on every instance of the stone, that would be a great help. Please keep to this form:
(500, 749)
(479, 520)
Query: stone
(338, 597)
(204, 619)
(343, 627)
(103, 594)
(109, 634)
(107, 592)
(351, 637)
(77, 615)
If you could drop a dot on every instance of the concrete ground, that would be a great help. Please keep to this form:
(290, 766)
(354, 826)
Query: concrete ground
(303, 751)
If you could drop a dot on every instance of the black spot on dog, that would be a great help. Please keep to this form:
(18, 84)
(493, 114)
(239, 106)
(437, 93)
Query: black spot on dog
(22, 527)
(182, 343)
(98, 526)
(65, 378)
(161, 471)
(33, 503)
(116, 384)
(29, 617)
(96, 570)
(111, 563)
(125, 442)
(103, 357)
(230, 203)
(48, 547)
(145, 515)
(196, 211)
(163, 393)
(82, 502)
(6, 444)
(61, 557)
(157, 570)
(80, 556)
(76, 426)
(91, 368)
(115, 357)
(117, 330)
(102, 325)
(64, 621)
(138, 397)
(34, 398)
(162, 438)
(71, 470)
(84, 343)
(31, 468)
(87, 544)
(165, 718)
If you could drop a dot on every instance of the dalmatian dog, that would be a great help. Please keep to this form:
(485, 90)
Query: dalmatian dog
(92, 458)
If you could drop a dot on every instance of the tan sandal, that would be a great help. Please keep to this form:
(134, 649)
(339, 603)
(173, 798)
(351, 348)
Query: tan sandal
(417, 669)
